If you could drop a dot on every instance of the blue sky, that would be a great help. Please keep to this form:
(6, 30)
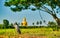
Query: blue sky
(31, 16)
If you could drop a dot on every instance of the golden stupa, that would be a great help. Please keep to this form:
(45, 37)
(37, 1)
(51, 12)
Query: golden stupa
(24, 22)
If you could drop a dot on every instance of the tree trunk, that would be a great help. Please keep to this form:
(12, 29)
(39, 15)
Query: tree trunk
(56, 19)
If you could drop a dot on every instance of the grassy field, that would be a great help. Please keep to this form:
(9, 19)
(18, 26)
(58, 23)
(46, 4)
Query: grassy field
(33, 31)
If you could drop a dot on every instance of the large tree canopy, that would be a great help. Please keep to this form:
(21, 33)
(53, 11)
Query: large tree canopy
(18, 5)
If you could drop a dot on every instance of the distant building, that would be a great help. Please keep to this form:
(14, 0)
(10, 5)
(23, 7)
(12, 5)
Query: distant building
(24, 22)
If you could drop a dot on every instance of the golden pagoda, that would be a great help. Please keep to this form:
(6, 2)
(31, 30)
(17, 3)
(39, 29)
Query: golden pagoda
(24, 22)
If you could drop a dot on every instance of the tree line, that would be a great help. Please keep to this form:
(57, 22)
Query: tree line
(7, 25)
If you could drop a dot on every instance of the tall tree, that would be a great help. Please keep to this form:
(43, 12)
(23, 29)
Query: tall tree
(37, 23)
(33, 23)
(40, 22)
(5, 23)
(52, 7)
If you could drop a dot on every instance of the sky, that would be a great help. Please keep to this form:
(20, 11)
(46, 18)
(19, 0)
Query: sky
(31, 16)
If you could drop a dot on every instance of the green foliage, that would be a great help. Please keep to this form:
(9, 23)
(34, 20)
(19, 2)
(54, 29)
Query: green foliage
(40, 22)
(33, 23)
(52, 24)
(11, 24)
(37, 23)
(26, 3)
(1, 26)
(5, 23)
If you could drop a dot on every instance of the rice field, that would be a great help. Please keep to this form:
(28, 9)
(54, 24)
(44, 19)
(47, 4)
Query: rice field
(33, 32)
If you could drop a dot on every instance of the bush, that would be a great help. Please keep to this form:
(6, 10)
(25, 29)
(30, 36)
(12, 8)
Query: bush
(1, 26)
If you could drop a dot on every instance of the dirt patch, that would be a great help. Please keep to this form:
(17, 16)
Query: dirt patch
(3, 36)
(22, 36)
